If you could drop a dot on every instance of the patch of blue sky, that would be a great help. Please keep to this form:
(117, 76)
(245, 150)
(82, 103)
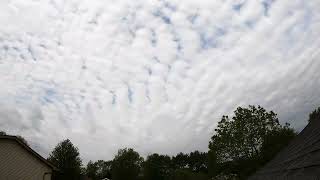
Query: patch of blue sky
(208, 41)
(4, 51)
(20, 98)
(221, 31)
(147, 91)
(30, 50)
(149, 71)
(166, 19)
(156, 59)
(177, 40)
(237, 7)
(291, 35)
(289, 41)
(266, 6)
(193, 18)
(179, 45)
(113, 98)
(130, 94)
(169, 68)
(154, 40)
(50, 92)
(50, 96)
(131, 24)
(250, 23)
(22, 56)
(5, 47)
(170, 6)
(307, 19)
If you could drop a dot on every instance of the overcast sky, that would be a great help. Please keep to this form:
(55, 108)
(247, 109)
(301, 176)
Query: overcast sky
(154, 75)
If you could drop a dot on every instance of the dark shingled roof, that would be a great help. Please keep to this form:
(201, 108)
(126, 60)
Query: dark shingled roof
(300, 160)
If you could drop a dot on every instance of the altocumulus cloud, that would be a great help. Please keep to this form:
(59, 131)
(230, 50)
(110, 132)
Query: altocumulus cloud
(153, 75)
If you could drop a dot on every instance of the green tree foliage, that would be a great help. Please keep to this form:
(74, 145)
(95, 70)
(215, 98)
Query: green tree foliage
(2, 133)
(180, 161)
(185, 174)
(212, 163)
(126, 165)
(98, 170)
(274, 141)
(314, 115)
(104, 169)
(157, 167)
(198, 162)
(189, 166)
(23, 139)
(65, 156)
(239, 142)
(92, 170)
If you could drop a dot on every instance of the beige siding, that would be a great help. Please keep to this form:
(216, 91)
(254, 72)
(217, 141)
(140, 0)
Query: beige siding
(16, 163)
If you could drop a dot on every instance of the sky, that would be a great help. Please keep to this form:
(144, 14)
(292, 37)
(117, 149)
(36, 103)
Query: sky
(154, 75)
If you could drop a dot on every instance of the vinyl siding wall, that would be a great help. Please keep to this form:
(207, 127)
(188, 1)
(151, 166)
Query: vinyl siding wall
(16, 163)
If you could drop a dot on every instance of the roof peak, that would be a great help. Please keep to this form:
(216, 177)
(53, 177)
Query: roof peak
(29, 149)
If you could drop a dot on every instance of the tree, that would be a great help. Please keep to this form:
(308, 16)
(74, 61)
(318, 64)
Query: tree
(157, 167)
(2, 133)
(98, 170)
(91, 170)
(180, 161)
(212, 163)
(126, 165)
(315, 115)
(238, 141)
(274, 141)
(185, 174)
(65, 156)
(198, 162)
(22, 139)
(104, 169)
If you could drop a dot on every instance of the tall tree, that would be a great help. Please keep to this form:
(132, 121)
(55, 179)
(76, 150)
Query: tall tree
(22, 139)
(198, 162)
(185, 174)
(274, 141)
(65, 156)
(238, 141)
(104, 169)
(126, 165)
(180, 161)
(157, 167)
(92, 170)
(213, 168)
(98, 170)
(314, 115)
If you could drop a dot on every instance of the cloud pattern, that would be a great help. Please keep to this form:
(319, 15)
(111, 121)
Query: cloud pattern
(153, 75)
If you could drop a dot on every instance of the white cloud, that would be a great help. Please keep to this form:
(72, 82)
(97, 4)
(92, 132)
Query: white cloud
(153, 75)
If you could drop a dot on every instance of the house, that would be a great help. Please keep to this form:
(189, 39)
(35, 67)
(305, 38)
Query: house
(300, 160)
(19, 161)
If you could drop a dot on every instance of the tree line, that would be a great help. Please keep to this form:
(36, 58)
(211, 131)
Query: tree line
(240, 145)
